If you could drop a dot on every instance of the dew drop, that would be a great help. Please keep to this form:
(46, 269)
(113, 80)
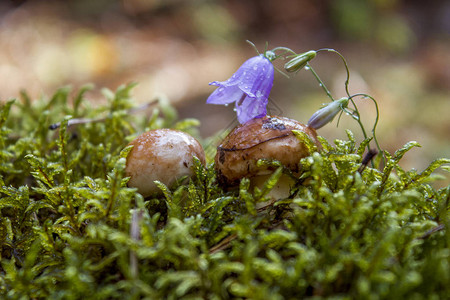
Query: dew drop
(320, 84)
(226, 104)
(234, 109)
(306, 68)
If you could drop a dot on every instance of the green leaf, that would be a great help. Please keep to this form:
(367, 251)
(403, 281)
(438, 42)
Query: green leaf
(269, 184)
(246, 197)
(305, 138)
(430, 169)
(402, 151)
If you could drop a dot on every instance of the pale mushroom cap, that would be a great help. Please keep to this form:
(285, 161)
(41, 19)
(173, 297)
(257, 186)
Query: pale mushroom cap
(263, 138)
(162, 154)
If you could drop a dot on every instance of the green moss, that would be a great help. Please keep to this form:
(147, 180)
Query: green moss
(70, 228)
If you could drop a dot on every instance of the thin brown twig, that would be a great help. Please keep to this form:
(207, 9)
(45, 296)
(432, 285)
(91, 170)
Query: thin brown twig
(223, 244)
(366, 159)
(78, 121)
(431, 231)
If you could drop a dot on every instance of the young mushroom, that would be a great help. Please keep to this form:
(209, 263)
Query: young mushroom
(165, 155)
(262, 138)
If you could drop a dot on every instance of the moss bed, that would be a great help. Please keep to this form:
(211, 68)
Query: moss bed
(70, 228)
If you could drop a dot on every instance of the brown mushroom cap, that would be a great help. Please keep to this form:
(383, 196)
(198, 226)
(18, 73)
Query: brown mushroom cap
(262, 138)
(162, 154)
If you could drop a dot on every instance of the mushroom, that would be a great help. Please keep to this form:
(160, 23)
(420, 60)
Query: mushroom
(165, 155)
(262, 138)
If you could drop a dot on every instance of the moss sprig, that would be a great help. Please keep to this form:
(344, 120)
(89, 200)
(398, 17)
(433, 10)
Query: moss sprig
(70, 227)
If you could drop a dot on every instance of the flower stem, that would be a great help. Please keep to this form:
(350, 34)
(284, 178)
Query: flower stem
(354, 112)
(356, 116)
(320, 81)
(285, 49)
(376, 120)
(345, 65)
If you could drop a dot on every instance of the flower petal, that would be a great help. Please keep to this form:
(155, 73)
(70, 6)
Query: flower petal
(224, 94)
(256, 77)
(246, 70)
(249, 88)
(251, 108)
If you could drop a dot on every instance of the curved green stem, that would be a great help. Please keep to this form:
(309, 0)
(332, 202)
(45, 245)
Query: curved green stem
(285, 49)
(355, 114)
(376, 119)
(347, 80)
(320, 81)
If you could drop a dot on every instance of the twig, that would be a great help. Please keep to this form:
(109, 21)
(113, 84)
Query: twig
(223, 244)
(78, 121)
(431, 231)
(366, 159)
(135, 235)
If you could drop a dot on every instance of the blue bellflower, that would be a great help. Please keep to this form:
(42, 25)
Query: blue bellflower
(248, 88)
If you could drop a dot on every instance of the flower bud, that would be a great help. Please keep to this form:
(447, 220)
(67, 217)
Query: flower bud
(327, 113)
(299, 61)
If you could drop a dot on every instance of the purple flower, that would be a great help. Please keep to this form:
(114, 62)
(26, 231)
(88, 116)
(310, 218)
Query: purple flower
(248, 88)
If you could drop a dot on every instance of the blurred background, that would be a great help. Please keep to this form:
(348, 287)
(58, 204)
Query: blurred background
(398, 51)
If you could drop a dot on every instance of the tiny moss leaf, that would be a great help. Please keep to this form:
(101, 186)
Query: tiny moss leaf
(70, 226)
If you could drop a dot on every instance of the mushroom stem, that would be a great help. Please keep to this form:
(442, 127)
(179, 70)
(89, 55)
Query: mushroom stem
(281, 189)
